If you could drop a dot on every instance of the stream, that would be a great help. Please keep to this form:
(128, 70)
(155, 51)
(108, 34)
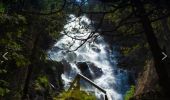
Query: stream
(94, 59)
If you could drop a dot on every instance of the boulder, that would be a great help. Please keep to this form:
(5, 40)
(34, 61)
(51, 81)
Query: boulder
(90, 70)
(71, 57)
(97, 72)
(83, 66)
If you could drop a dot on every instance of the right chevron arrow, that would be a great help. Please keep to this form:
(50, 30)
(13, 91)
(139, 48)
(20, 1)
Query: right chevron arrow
(165, 55)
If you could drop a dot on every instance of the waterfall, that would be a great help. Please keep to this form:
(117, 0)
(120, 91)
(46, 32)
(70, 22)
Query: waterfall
(95, 55)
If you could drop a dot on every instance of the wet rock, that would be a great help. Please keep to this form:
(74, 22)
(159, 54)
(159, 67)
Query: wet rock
(95, 48)
(84, 69)
(97, 72)
(90, 70)
(66, 65)
(80, 58)
(71, 57)
(55, 49)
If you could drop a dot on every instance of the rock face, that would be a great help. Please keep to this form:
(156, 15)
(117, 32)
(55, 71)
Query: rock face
(84, 69)
(89, 70)
(97, 72)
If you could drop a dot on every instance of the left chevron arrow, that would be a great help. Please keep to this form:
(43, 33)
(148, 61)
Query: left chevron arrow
(4, 56)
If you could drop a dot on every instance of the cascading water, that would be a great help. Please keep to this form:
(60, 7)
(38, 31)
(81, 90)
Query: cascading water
(95, 54)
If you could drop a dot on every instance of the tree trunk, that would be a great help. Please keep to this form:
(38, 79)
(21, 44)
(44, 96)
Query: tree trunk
(27, 82)
(30, 67)
(160, 65)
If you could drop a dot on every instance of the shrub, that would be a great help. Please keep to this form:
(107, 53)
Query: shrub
(129, 94)
(75, 95)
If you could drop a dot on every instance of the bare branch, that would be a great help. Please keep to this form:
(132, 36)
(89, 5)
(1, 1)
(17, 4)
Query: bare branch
(90, 35)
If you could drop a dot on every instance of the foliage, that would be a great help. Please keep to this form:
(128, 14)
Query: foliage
(42, 81)
(12, 28)
(129, 94)
(3, 91)
(75, 95)
(1, 8)
(3, 88)
(26, 39)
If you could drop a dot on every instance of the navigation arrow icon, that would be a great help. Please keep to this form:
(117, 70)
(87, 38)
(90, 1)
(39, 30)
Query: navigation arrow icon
(165, 56)
(5, 55)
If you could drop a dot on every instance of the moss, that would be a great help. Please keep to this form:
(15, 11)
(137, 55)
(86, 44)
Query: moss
(129, 94)
(75, 95)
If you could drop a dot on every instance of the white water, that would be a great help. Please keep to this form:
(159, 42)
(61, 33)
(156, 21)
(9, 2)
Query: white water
(98, 53)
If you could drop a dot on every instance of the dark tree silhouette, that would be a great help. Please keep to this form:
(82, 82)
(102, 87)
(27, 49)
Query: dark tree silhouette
(160, 65)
